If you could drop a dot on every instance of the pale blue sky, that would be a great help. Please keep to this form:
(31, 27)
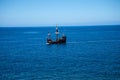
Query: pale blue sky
(61, 12)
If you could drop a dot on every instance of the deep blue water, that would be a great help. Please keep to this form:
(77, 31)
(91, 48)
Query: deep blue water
(91, 53)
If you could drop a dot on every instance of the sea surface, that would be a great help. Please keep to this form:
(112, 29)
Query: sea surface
(91, 53)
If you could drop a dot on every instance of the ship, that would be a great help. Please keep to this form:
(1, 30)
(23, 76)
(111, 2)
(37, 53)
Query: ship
(59, 40)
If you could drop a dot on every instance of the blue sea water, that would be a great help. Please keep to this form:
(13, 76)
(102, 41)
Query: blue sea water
(91, 53)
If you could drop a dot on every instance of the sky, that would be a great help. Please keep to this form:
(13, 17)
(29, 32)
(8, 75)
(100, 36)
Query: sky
(61, 12)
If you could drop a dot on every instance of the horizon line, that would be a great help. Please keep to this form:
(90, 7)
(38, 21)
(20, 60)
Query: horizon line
(66, 25)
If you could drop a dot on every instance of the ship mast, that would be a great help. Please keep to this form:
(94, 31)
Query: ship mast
(57, 33)
(48, 35)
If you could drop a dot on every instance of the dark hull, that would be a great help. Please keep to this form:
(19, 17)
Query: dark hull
(60, 41)
(56, 42)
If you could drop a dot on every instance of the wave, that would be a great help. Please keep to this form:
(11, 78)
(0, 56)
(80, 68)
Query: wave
(11, 41)
(31, 32)
(94, 41)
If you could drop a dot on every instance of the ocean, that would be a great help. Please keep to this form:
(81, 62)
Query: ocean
(90, 53)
